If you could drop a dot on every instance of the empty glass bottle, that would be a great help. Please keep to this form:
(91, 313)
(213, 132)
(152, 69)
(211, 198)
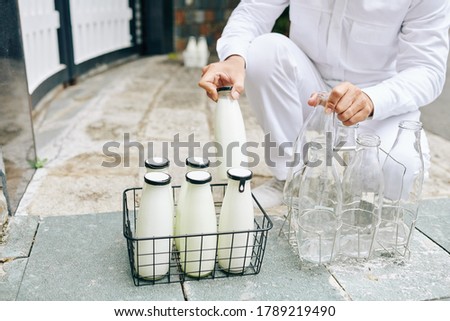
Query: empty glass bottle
(313, 131)
(316, 191)
(403, 174)
(345, 146)
(362, 197)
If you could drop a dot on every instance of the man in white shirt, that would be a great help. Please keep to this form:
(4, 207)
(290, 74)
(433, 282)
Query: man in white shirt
(380, 60)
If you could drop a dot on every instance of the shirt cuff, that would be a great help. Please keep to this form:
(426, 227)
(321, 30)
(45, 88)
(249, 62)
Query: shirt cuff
(383, 104)
(226, 50)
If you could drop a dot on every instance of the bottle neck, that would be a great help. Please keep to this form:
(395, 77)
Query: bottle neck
(159, 170)
(408, 137)
(239, 186)
(319, 126)
(225, 95)
(368, 153)
(198, 187)
(155, 188)
(325, 119)
(367, 148)
(193, 168)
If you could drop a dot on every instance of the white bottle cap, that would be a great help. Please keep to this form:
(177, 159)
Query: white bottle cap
(157, 162)
(239, 173)
(198, 177)
(197, 162)
(157, 178)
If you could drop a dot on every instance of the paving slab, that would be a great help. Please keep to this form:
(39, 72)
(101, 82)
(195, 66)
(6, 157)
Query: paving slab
(434, 221)
(84, 258)
(19, 237)
(280, 279)
(11, 274)
(426, 276)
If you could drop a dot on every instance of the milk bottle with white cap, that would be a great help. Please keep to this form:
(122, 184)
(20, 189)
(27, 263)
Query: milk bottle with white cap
(236, 215)
(229, 132)
(154, 219)
(197, 253)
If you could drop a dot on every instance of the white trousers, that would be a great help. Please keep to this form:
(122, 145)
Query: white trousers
(279, 80)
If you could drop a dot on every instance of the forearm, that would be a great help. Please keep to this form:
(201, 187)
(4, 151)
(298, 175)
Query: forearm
(421, 64)
(406, 92)
(249, 20)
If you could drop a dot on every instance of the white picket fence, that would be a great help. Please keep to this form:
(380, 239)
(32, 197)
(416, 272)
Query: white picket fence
(98, 27)
(39, 23)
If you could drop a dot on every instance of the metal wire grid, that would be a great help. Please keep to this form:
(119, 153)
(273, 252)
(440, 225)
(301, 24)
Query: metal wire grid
(146, 267)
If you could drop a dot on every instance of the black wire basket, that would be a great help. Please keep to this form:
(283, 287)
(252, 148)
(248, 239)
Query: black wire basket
(169, 266)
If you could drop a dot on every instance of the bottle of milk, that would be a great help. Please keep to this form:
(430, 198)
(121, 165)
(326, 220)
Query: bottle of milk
(197, 253)
(236, 215)
(229, 132)
(154, 219)
(192, 163)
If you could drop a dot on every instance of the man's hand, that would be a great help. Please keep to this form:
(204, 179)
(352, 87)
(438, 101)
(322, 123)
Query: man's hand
(230, 72)
(349, 102)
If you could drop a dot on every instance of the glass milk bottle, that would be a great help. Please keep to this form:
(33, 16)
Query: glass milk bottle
(313, 132)
(198, 249)
(236, 215)
(362, 197)
(345, 146)
(403, 174)
(192, 163)
(317, 194)
(229, 132)
(154, 219)
(157, 164)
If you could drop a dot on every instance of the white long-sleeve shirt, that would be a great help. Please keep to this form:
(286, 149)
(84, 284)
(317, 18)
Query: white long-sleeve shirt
(395, 50)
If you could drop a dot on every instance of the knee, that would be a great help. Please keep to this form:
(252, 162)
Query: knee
(263, 55)
(268, 42)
